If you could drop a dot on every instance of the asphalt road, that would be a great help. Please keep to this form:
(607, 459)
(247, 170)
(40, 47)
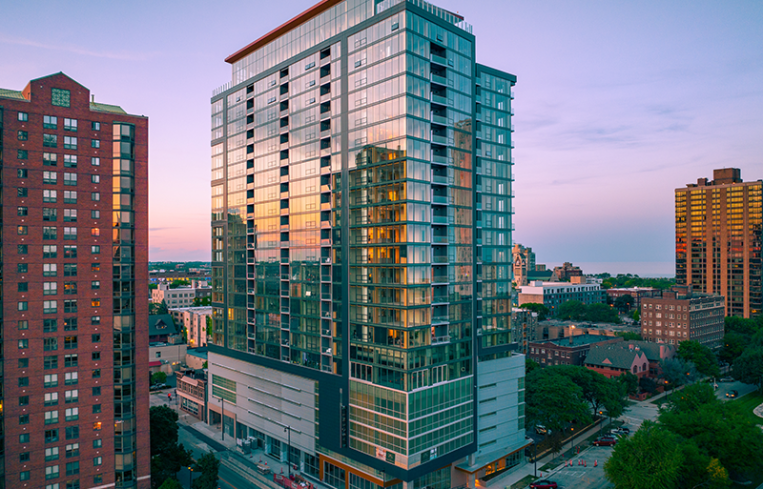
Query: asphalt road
(724, 387)
(589, 477)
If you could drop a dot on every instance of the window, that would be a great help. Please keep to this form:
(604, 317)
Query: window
(95, 196)
(95, 250)
(70, 305)
(70, 215)
(22, 192)
(50, 269)
(96, 373)
(23, 344)
(70, 251)
(24, 457)
(49, 232)
(49, 307)
(70, 124)
(51, 362)
(23, 116)
(96, 391)
(24, 438)
(50, 177)
(70, 196)
(70, 142)
(71, 414)
(60, 97)
(22, 173)
(51, 417)
(70, 324)
(23, 363)
(22, 249)
(49, 288)
(22, 211)
(50, 159)
(95, 302)
(50, 380)
(70, 270)
(24, 474)
(70, 342)
(23, 135)
(50, 122)
(22, 268)
(23, 286)
(49, 325)
(51, 398)
(95, 267)
(95, 178)
(95, 232)
(72, 450)
(96, 338)
(70, 233)
(23, 381)
(97, 426)
(96, 408)
(94, 143)
(70, 161)
(70, 288)
(50, 140)
(95, 285)
(22, 154)
(51, 472)
(49, 195)
(50, 344)
(23, 324)
(95, 126)
(95, 161)
(71, 378)
(70, 179)
(72, 432)
(72, 468)
(71, 360)
(22, 230)
(95, 214)
(51, 453)
(49, 214)
(97, 461)
(95, 356)
(71, 396)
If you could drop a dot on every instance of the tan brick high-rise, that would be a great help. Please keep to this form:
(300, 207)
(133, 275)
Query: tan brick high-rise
(718, 239)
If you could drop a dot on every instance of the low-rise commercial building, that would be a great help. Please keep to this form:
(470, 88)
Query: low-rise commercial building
(567, 351)
(180, 296)
(553, 294)
(196, 358)
(681, 314)
(192, 392)
(638, 293)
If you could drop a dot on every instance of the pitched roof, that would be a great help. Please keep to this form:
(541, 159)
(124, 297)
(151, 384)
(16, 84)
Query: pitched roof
(15, 94)
(114, 109)
(612, 356)
(161, 324)
(578, 340)
(652, 350)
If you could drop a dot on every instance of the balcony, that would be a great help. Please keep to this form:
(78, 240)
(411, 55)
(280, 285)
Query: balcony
(440, 199)
(439, 60)
(439, 79)
(439, 99)
(438, 340)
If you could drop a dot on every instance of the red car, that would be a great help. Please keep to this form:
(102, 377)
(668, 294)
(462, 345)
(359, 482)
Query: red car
(543, 484)
(605, 441)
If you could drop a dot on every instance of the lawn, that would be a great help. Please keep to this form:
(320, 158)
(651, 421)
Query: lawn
(524, 482)
(749, 402)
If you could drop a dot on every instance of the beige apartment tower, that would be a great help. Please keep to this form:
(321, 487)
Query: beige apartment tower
(718, 239)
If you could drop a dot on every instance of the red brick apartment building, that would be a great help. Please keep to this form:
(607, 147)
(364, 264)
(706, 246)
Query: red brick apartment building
(75, 282)
(681, 314)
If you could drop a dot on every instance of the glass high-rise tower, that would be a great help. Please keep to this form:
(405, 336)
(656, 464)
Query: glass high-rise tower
(361, 236)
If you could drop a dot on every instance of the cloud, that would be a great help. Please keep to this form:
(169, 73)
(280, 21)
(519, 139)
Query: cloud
(125, 56)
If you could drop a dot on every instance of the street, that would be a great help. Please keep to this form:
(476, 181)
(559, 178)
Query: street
(724, 387)
(588, 477)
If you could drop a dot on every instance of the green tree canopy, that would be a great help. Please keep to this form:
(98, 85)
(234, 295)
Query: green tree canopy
(171, 484)
(601, 393)
(733, 345)
(629, 336)
(158, 378)
(542, 310)
(624, 303)
(596, 313)
(553, 400)
(678, 371)
(530, 365)
(650, 459)
(748, 367)
(179, 283)
(167, 455)
(701, 356)
(574, 310)
(208, 465)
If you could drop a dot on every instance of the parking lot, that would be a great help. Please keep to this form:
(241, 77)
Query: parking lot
(589, 477)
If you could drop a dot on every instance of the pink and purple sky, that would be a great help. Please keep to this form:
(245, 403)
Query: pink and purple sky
(617, 104)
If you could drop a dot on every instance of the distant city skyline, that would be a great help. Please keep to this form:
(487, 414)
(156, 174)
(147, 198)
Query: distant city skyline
(616, 106)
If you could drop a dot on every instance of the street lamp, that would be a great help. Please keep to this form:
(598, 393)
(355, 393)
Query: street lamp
(572, 446)
(190, 477)
(288, 452)
(601, 423)
(222, 419)
(535, 458)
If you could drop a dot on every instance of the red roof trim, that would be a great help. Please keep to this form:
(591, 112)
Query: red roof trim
(300, 19)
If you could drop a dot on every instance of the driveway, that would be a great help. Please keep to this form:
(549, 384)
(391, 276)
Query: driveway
(724, 387)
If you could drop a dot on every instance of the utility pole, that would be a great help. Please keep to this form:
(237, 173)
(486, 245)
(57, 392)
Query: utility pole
(288, 450)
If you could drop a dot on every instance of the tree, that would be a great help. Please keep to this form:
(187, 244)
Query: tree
(202, 301)
(637, 314)
(629, 336)
(650, 459)
(678, 371)
(167, 455)
(207, 466)
(574, 310)
(701, 356)
(749, 366)
(629, 383)
(733, 345)
(553, 400)
(601, 313)
(647, 385)
(158, 378)
(600, 392)
(542, 310)
(171, 484)
(530, 365)
(624, 303)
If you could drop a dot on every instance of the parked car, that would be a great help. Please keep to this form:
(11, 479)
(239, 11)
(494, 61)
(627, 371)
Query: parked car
(727, 379)
(621, 431)
(157, 387)
(605, 441)
(732, 394)
(544, 484)
(542, 430)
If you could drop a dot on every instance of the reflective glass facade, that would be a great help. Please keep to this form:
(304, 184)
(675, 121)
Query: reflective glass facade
(361, 225)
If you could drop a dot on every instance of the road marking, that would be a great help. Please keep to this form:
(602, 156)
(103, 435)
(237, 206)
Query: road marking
(231, 485)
